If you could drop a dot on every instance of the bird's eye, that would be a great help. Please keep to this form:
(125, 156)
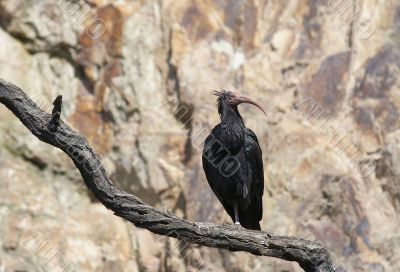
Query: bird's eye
(231, 100)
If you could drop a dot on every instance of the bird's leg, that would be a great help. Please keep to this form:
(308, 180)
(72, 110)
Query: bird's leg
(236, 211)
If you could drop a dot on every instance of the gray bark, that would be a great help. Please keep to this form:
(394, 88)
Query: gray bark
(48, 128)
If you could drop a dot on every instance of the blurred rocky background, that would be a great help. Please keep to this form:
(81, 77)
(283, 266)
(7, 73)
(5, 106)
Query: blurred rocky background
(137, 78)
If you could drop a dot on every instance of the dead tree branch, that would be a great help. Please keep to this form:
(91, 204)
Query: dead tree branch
(311, 256)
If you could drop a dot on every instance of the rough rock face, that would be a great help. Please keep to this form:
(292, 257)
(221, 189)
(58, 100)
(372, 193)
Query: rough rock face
(137, 77)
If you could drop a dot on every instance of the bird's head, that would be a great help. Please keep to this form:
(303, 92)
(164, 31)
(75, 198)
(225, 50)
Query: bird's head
(232, 100)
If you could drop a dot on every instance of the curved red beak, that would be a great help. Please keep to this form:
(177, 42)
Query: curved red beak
(242, 99)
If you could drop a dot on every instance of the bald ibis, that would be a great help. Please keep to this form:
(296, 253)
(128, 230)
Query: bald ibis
(232, 162)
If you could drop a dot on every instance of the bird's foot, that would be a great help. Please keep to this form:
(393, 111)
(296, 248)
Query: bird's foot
(237, 224)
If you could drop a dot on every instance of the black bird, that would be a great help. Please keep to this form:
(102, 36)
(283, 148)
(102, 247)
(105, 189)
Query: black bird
(232, 162)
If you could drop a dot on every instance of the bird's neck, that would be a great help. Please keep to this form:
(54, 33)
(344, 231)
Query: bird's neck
(232, 128)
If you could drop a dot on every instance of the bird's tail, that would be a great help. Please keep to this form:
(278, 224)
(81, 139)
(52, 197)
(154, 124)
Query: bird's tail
(249, 221)
(250, 225)
(251, 216)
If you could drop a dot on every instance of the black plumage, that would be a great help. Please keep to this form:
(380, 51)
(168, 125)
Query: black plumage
(232, 162)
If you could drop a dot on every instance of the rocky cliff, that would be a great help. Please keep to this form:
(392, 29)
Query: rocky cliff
(137, 78)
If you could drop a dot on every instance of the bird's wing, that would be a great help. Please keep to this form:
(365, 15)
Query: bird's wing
(208, 168)
(254, 159)
(212, 172)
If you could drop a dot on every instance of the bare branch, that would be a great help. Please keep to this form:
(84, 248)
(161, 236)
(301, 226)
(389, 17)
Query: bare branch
(311, 256)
